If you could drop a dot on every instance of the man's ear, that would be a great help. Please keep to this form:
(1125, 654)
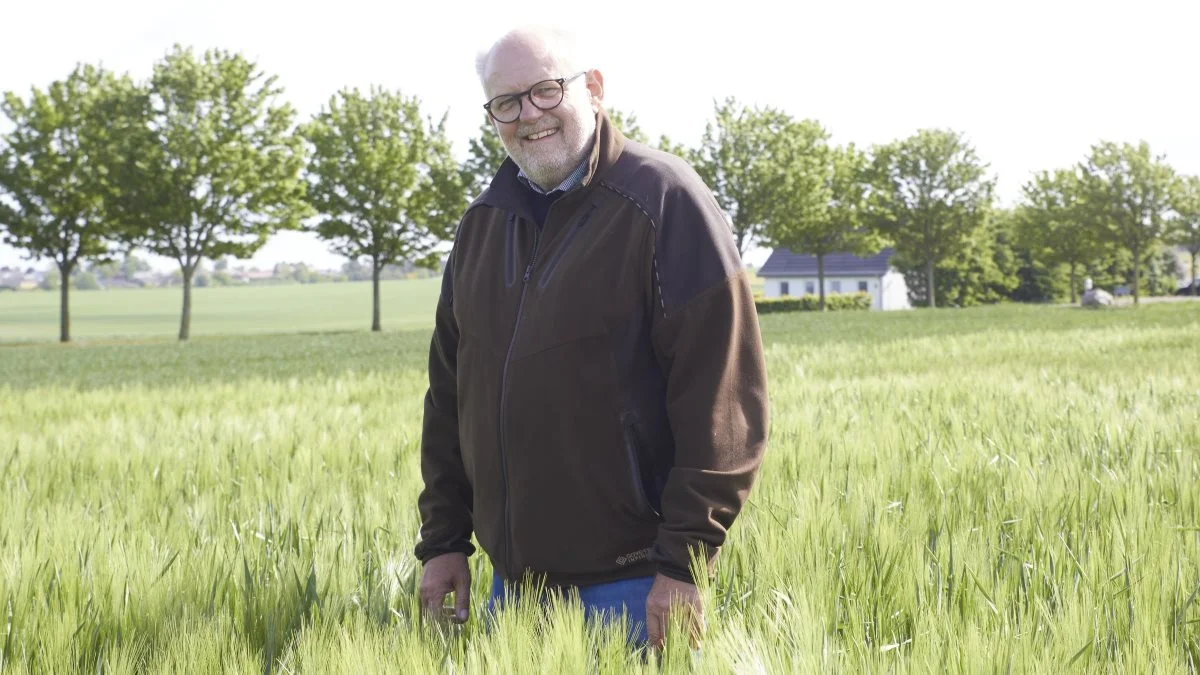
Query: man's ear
(595, 85)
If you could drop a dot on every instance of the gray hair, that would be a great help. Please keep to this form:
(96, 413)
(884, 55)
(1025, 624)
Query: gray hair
(563, 44)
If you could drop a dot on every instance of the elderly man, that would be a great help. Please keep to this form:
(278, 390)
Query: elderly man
(597, 403)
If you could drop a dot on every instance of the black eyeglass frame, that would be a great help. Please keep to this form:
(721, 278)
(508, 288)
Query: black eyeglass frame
(528, 94)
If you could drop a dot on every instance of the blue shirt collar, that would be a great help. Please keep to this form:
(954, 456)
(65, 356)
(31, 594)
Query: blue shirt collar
(572, 181)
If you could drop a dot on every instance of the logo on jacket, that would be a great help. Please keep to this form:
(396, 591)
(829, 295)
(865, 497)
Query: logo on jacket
(630, 558)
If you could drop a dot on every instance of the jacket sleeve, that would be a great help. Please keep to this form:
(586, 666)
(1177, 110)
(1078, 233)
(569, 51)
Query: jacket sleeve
(707, 340)
(445, 502)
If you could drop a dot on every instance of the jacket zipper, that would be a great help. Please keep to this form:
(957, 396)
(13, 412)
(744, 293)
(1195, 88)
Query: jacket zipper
(537, 238)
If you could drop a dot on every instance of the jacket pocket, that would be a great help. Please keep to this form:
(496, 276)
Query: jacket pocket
(562, 248)
(639, 466)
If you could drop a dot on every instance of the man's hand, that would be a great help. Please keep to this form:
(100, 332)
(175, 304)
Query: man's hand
(447, 573)
(668, 596)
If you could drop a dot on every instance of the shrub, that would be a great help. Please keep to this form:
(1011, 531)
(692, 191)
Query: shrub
(811, 303)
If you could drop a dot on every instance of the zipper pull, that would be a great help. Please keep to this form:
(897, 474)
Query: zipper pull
(537, 239)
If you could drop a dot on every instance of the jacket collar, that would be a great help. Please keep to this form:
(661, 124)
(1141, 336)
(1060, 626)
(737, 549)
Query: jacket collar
(506, 192)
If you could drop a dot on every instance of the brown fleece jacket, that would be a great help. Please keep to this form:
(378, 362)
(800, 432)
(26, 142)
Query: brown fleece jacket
(597, 403)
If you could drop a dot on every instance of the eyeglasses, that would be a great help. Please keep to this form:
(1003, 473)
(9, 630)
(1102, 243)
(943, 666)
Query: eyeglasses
(545, 95)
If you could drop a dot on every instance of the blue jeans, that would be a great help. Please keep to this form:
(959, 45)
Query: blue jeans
(604, 601)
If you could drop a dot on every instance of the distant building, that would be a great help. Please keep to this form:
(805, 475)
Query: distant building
(16, 279)
(793, 274)
(249, 276)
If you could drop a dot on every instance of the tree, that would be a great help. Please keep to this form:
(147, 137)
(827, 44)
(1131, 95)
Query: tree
(1037, 279)
(383, 180)
(986, 270)
(666, 144)
(132, 265)
(52, 168)
(1186, 230)
(214, 168)
(1054, 223)
(735, 161)
(1129, 193)
(628, 124)
(485, 154)
(929, 195)
(820, 206)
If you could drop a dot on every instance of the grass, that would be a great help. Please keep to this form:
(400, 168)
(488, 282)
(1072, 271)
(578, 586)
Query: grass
(154, 312)
(986, 490)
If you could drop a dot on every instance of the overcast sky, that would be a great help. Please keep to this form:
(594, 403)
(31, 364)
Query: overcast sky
(1032, 83)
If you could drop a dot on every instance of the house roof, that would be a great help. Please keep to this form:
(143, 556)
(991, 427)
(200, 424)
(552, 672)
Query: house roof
(784, 263)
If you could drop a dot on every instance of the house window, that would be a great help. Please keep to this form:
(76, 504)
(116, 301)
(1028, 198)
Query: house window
(835, 286)
(783, 288)
(810, 288)
(862, 287)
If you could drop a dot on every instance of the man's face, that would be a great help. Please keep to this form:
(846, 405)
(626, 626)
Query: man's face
(547, 159)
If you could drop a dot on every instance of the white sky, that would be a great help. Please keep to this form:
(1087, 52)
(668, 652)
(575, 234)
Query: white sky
(1032, 82)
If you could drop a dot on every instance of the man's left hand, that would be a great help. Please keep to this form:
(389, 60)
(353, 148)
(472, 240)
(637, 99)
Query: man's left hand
(668, 596)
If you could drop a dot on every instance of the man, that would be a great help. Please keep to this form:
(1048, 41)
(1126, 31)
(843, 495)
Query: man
(597, 406)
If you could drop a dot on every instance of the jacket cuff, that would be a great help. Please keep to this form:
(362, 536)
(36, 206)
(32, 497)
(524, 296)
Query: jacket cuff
(425, 553)
(672, 572)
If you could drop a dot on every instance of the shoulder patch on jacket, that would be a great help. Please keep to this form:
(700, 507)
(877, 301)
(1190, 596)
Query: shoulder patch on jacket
(694, 247)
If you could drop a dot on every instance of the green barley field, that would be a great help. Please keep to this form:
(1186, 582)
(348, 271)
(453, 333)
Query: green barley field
(1005, 489)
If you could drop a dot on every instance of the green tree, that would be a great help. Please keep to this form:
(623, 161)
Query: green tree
(985, 271)
(383, 180)
(85, 280)
(820, 206)
(1129, 194)
(52, 167)
(628, 124)
(52, 280)
(666, 144)
(485, 154)
(216, 170)
(929, 195)
(1186, 229)
(131, 265)
(736, 163)
(1054, 223)
(1161, 271)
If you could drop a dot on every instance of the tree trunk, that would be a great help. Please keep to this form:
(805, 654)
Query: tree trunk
(821, 278)
(1193, 290)
(1137, 274)
(929, 282)
(64, 323)
(1073, 282)
(375, 324)
(185, 322)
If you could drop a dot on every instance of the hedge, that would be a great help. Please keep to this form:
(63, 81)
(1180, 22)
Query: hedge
(810, 303)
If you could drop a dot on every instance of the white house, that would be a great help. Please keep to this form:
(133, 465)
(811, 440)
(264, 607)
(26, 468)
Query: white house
(792, 274)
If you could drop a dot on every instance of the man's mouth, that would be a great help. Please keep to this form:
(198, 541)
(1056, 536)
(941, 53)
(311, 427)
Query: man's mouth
(541, 134)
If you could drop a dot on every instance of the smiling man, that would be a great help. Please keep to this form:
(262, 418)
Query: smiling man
(597, 404)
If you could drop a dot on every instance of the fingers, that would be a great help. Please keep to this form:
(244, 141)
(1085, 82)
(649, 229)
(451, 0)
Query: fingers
(681, 603)
(433, 595)
(655, 626)
(462, 596)
(442, 575)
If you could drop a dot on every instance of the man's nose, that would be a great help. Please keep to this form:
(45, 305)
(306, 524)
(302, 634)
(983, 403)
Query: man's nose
(529, 111)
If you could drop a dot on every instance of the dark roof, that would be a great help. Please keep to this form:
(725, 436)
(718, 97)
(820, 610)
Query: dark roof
(784, 263)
